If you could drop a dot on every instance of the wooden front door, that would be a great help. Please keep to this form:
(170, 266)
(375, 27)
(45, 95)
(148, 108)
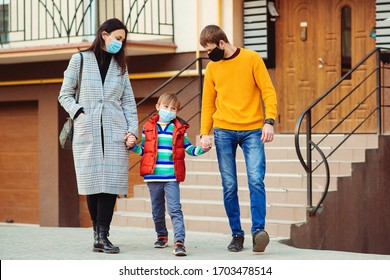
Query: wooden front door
(309, 56)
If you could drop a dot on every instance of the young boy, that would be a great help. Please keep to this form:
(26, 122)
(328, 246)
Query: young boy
(163, 147)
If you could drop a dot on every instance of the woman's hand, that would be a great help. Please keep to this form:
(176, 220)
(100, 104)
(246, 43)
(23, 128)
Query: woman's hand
(130, 140)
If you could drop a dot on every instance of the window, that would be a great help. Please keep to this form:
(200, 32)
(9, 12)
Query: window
(3, 24)
(259, 30)
(346, 40)
(383, 23)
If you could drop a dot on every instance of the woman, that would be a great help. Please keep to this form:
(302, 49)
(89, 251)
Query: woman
(104, 118)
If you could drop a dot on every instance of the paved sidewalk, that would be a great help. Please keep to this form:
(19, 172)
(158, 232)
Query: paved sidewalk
(27, 242)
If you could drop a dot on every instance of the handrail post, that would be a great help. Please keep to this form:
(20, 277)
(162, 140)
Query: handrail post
(378, 91)
(173, 22)
(308, 160)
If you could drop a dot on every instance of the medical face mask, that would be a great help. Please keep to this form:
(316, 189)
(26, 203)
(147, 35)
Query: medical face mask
(114, 47)
(166, 116)
(216, 54)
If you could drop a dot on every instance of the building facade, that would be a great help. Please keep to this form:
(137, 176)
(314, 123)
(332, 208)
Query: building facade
(307, 47)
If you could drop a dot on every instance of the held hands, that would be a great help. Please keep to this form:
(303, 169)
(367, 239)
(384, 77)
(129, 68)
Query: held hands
(267, 134)
(130, 140)
(205, 143)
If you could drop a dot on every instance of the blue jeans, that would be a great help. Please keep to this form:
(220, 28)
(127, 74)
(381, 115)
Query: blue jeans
(226, 142)
(159, 191)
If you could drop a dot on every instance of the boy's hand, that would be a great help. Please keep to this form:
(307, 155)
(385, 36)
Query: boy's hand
(206, 149)
(130, 140)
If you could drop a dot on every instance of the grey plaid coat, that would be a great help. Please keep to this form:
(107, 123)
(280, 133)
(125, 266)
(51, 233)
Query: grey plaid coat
(108, 108)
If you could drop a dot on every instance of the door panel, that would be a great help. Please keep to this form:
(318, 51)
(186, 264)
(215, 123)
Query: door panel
(19, 162)
(307, 66)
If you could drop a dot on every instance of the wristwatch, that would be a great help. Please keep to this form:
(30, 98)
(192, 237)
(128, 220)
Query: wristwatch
(269, 121)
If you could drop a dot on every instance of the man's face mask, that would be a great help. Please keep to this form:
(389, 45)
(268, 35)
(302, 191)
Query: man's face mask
(216, 54)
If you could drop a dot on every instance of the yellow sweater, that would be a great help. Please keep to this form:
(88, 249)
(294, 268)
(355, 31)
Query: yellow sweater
(233, 93)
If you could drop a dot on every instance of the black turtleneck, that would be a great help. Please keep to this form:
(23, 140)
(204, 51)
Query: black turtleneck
(104, 63)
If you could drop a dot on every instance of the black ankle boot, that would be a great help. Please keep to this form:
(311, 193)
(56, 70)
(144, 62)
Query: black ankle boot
(95, 234)
(103, 244)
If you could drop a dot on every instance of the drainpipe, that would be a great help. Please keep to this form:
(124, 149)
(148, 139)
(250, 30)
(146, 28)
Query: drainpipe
(197, 29)
(199, 63)
(219, 14)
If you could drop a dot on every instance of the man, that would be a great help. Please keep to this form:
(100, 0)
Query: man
(237, 87)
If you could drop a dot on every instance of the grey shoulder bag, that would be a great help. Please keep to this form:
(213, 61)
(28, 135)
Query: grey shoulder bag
(66, 134)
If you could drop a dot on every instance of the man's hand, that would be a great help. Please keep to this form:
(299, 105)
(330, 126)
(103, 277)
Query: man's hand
(205, 143)
(267, 134)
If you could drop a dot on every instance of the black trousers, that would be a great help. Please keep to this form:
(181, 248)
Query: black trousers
(101, 208)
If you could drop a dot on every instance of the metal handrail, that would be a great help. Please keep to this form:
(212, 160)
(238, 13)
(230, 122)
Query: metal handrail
(154, 92)
(73, 21)
(307, 115)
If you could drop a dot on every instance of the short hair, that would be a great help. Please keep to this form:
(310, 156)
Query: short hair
(212, 34)
(169, 98)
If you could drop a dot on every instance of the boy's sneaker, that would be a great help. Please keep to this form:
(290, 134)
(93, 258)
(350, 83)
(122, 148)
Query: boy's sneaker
(260, 240)
(179, 250)
(162, 242)
(237, 243)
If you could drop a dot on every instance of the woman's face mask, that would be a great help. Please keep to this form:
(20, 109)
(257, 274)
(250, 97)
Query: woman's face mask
(216, 54)
(114, 40)
(113, 47)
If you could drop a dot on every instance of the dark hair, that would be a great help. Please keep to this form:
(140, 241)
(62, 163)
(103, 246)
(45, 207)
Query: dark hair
(212, 34)
(109, 26)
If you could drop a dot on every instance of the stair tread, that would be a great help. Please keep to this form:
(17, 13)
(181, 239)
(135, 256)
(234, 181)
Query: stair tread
(293, 175)
(191, 159)
(268, 189)
(205, 218)
(240, 173)
(220, 202)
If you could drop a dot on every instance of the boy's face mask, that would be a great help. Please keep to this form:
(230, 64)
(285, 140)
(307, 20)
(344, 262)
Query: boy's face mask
(166, 116)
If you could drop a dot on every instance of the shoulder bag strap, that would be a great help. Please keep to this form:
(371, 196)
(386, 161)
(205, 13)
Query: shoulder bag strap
(80, 76)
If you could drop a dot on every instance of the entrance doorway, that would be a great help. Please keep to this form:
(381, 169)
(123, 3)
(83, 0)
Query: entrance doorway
(317, 42)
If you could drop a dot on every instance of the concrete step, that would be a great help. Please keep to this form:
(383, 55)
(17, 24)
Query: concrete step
(215, 208)
(350, 154)
(276, 195)
(342, 154)
(365, 141)
(273, 180)
(342, 168)
(368, 141)
(279, 228)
